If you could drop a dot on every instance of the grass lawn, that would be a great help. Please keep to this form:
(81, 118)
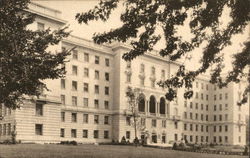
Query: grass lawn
(96, 151)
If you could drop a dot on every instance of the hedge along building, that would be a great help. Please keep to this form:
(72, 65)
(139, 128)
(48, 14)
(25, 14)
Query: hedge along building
(90, 105)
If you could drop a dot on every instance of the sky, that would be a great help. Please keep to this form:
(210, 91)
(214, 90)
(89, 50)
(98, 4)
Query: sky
(69, 8)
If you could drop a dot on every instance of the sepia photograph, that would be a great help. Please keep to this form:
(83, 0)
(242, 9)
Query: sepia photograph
(124, 78)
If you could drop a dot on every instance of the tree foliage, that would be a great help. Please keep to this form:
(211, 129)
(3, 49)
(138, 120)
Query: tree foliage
(203, 17)
(24, 59)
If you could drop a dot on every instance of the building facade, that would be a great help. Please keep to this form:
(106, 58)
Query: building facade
(90, 105)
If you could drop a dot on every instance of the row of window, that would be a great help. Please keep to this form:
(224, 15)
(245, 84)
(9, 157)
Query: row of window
(196, 139)
(220, 107)
(85, 87)
(85, 133)
(220, 96)
(202, 107)
(85, 102)
(85, 118)
(5, 129)
(220, 117)
(86, 58)
(196, 127)
(220, 128)
(201, 96)
(86, 73)
(202, 85)
(196, 116)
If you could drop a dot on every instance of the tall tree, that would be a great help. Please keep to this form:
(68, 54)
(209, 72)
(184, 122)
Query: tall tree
(24, 59)
(142, 18)
(134, 97)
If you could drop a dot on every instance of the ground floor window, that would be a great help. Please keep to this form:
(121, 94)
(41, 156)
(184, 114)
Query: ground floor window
(163, 139)
(39, 129)
(154, 138)
(85, 133)
(127, 134)
(96, 134)
(106, 134)
(62, 133)
(175, 137)
(73, 133)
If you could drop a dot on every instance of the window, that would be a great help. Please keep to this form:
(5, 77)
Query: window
(185, 115)
(97, 59)
(107, 63)
(206, 128)
(214, 128)
(106, 134)
(85, 87)
(214, 97)
(215, 118)
(153, 71)
(63, 99)
(73, 117)
(214, 107)
(154, 123)
(197, 84)
(191, 115)
(239, 139)
(85, 133)
(215, 87)
(142, 70)
(220, 117)
(106, 104)
(153, 83)
(96, 102)
(106, 76)
(152, 104)
(191, 127)
(220, 139)
(63, 116)
(196, 139)
(220, 128)
(196, 116)
(201, 96)
(86, 57)
(106, 90)
(239, 128)
(74, 70)
(74, 101)
(226, 139)
(226, 128)
(191, 138)
(96, 119)
(185, 103)
(207, 107)
(63, 84)
(202, 107)
(201, 117)
(191, 105)
(106, 120)
(202, 139)
(85, 118)
(162, 106)
(127, 134)
(202, 128)
(39, 109)
(226, 96)
(128, 123)
(206, 87)
(214, 139)
(142, 81)
(75, 54)
(39, 129)
(185, 126)
(164, 123)
(62, 132)
(220, 107)
(96, 134)
(74, 85)
(85, 102)
(128, 78)
(176, 125)
(40, 26)
(9, 129)
(96, 89)
(202, 85)
(206, 117)
(206, 138)
(220, 96)
(163, 74)
(97, 75)
(207, 97)
(175, 137)
(86, 72)
(196, 105)
(73, 133)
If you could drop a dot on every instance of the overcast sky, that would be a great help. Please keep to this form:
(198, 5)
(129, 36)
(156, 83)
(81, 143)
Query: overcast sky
(69, 8)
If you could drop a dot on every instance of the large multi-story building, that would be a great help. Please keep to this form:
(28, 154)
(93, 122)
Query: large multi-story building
(90, 104)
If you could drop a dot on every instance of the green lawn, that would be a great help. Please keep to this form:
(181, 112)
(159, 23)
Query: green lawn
(96, 151)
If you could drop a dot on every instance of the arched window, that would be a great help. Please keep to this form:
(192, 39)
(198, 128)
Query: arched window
(162, 106)
(152, 104)
(141, 105)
